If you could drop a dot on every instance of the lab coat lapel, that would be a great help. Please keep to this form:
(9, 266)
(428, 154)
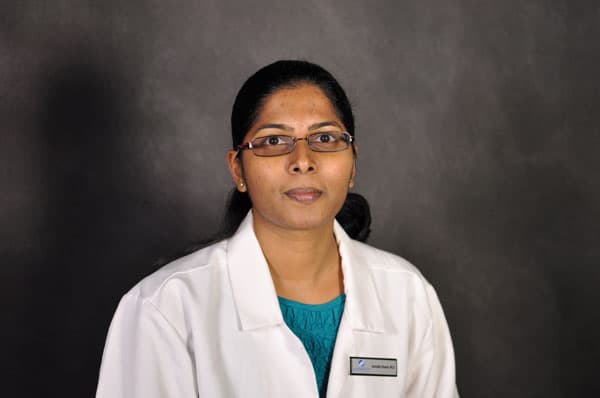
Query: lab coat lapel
(363, 308)
(362, 313)
(251, 284)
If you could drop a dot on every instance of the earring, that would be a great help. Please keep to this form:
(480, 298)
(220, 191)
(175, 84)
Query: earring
(242, 185)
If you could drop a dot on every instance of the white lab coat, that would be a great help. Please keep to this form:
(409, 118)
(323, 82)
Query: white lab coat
(209, 325)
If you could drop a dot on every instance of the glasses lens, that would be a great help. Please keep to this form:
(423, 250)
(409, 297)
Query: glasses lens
(272, 145)
(331, 141)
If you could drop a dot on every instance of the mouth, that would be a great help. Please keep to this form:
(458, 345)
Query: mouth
(304, 195)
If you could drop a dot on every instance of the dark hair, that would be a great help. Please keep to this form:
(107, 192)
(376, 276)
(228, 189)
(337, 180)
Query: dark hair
(355, 215)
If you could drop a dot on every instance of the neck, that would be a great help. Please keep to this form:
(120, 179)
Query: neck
(304, 264)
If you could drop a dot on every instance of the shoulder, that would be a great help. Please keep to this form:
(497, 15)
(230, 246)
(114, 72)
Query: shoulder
(192, 270)
(381, 260)
(394, 277)
(178, 291)
(399, 284)
(363, 255)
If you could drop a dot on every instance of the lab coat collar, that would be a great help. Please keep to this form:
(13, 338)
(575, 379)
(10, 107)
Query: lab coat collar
(363, 307)
(251, 283)
(254, 292)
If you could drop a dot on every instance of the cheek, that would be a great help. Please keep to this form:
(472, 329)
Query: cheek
(339, 173)
(261, 177)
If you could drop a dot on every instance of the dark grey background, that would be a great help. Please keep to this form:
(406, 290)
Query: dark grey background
(478, 136)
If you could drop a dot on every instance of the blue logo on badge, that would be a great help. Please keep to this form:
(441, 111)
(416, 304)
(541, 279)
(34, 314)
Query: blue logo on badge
(361, 363)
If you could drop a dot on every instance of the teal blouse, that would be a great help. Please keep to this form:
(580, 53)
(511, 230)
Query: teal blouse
(316, 325)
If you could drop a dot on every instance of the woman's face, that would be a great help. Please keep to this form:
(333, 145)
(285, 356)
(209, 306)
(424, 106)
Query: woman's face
(304, 189)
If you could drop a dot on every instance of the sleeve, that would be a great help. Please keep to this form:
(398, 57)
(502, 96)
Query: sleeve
(144, 355)
(431, 371)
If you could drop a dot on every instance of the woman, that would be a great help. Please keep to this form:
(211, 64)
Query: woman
(288, 305)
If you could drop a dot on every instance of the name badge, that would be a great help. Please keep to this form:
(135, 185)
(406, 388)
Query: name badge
(362, 366)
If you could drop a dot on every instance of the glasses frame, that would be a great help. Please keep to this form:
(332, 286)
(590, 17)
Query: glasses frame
(349, 139)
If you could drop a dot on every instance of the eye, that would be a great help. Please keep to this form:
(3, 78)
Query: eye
(273, 140)
(270, 140)
(325, 138)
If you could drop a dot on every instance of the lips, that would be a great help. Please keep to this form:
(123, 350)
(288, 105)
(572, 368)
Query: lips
(304, 195)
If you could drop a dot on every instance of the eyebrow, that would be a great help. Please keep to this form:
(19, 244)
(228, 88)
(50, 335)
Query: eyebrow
(324, 124)
(290, 129)
(275, 126)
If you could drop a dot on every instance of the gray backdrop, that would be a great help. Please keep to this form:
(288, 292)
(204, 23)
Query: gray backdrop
(477, 128)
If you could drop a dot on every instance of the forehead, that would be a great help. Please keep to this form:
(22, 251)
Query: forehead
(299, 103)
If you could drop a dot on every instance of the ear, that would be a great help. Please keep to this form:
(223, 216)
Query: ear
(235, 168)
(353, 174)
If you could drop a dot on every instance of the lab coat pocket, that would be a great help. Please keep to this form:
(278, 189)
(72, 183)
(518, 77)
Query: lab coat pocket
(373, 386)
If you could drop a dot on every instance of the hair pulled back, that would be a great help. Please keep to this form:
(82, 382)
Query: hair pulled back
(355, 215)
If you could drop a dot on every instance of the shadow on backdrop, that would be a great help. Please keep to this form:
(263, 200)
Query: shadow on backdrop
(93, 222)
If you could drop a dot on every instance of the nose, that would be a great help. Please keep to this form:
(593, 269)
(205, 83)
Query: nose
(301, 159)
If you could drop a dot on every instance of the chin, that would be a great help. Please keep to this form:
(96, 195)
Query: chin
(297, 219)
(307, 222)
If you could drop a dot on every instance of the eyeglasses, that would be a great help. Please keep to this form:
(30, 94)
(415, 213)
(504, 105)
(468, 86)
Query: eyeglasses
(276, 145)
